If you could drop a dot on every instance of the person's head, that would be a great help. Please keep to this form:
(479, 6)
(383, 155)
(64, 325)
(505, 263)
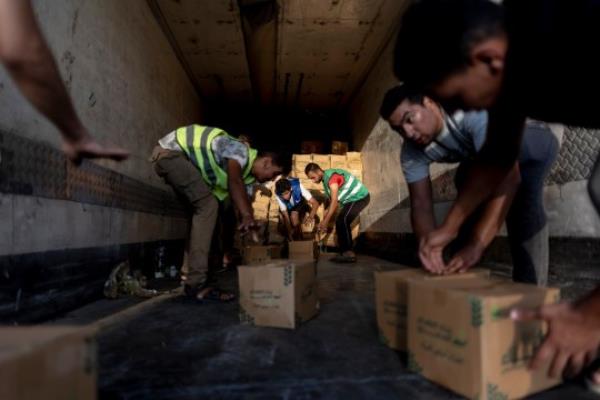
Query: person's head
(414, 116)
(314, 172)
(454, 50)
(245, 139)
(268, 165)
(283, 189)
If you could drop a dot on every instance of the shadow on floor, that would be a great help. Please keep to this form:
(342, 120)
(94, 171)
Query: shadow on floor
(181, 350)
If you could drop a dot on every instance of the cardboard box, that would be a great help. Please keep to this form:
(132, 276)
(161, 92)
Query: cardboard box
(281, 295)
(311, 146)
(339, 162)
(260, 208)
(357, 173)
(460, 335)
(354, 164)
(308, 228)
(260, 198)
(274, 213)
(47, 362)
(391, 299)
(353, 156)
(302, 158)
(260, 254)
(310, 185)
(338, 147)
(323, 160)
(303, 250)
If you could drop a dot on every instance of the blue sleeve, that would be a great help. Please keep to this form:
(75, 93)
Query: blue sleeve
(415, 164)
(475, 124)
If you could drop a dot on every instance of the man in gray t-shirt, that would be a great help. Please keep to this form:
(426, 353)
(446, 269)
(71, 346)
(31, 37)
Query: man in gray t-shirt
(432, 135)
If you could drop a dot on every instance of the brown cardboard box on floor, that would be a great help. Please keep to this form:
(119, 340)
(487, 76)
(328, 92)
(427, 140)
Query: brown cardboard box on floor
(47, 362)
(281, 294)
(391, 298)
(303, 250)
(460, 335)
(260, 254)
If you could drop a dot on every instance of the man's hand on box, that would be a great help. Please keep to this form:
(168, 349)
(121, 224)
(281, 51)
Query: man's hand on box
(323, 227)
(466, 258)
(573, 338)
(248, 223)
(431, 248)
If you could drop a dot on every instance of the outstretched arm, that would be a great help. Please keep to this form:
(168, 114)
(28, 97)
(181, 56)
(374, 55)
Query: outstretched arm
(29, 62)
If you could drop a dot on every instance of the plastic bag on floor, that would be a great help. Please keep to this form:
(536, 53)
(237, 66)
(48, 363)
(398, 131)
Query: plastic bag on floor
(121, 283)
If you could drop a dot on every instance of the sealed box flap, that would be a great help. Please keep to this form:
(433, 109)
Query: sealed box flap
(302, 158)
(419, 273)
(487, 288)
(267, 264)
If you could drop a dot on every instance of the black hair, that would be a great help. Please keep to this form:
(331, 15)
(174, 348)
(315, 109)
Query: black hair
(395, 96)
(437, 36)
(310, 167)
(282, 186)
(283, 161)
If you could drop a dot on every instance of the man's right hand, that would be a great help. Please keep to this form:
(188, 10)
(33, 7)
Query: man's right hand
(322, 227)
(431, 248)
(573, 338)
(248, 223)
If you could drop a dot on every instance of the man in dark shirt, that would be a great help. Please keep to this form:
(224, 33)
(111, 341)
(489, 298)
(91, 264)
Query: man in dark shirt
(535, 58)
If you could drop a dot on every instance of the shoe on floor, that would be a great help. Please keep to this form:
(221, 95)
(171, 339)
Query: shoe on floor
(342, 259)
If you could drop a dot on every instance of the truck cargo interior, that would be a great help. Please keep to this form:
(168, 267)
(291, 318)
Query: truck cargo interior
(91, 252)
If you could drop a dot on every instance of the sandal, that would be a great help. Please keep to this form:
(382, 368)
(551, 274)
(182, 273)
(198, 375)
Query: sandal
(215, 295)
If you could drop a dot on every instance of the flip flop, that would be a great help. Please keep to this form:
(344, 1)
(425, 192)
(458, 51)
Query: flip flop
(215, 296)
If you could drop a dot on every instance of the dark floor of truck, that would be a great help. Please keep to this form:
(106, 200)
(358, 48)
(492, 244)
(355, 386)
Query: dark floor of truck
(176, 349)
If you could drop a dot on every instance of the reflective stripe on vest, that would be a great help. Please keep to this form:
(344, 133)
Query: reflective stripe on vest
(351, 190)
(196, 143)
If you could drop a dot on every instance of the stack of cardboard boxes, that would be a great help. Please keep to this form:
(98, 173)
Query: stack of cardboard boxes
(457, 332)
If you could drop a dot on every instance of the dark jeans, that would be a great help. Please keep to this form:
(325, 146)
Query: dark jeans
(526, 220)
(347, 214)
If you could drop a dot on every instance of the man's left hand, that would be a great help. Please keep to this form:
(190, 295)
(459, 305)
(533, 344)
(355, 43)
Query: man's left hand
(467, 257)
